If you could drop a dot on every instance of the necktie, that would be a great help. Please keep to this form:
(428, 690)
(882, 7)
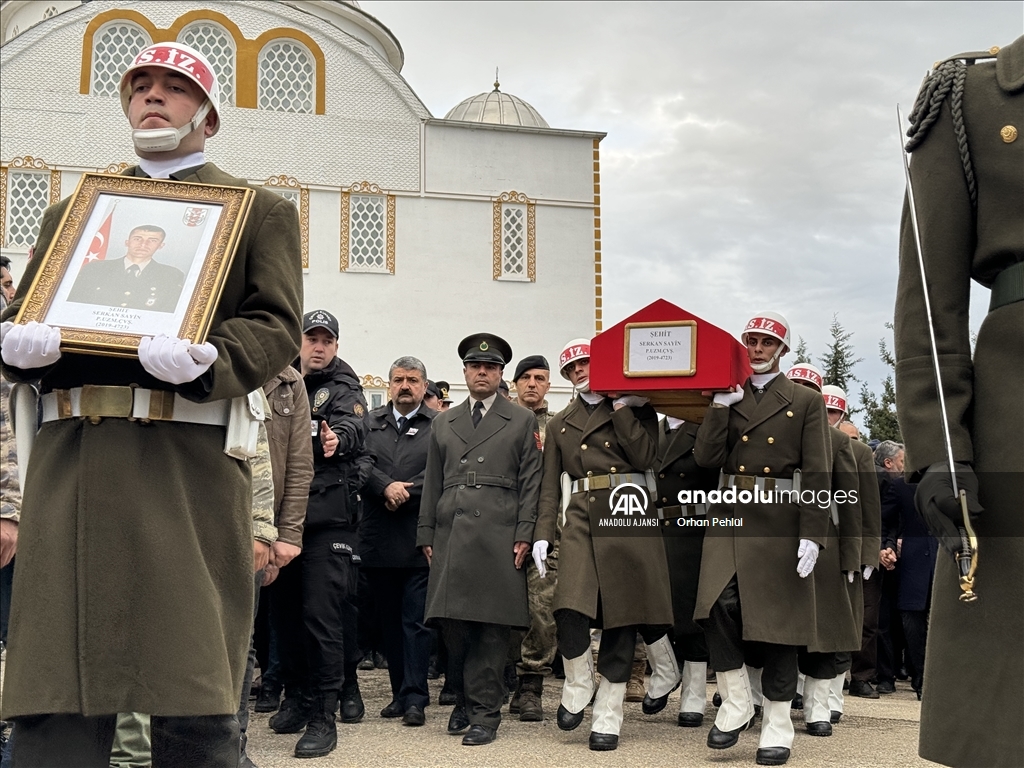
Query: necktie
(402, 421)
(134, 270)
(478, 412)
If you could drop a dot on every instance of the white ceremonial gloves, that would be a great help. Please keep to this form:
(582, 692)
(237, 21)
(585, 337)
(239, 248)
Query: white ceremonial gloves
(808, 554)
(850, 575)
(728, 399)
(32, 345)
(174, 360)
(633, 401)
(868, 570)
(540, 554)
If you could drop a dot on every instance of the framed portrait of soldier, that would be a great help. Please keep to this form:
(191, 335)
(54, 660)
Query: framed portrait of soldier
(136, 257)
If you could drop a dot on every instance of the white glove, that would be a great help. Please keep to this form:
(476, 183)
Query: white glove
(850, 575)
(633, 401)
(728, 399)
(175, 360)
(540, 554)
(808, 554)
(32, 345)
(868, 570)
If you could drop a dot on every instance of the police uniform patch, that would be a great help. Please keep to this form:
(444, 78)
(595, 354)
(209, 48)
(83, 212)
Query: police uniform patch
(358, 409)
(320, 397)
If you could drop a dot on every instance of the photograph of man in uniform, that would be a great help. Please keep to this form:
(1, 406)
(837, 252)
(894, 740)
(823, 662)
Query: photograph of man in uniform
(137, 281)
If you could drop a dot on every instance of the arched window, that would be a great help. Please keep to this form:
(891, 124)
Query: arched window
(286, 77)
(113, 48)
(218, 46)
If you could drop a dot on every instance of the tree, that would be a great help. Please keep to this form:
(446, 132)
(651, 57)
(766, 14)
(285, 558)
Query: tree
(838, 361)
(801, 352)
(880, 419)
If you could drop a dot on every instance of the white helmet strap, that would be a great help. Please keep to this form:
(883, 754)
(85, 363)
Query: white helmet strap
(766, 366)
(168, 139)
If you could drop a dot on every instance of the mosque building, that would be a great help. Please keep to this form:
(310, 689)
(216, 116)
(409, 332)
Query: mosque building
(416, 230)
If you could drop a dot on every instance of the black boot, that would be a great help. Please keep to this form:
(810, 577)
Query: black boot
(321, 736)
(269, 698)
(531, 687)
(293, 716)
(352, 709)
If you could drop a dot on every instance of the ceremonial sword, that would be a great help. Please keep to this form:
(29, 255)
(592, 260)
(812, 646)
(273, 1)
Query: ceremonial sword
(967, 557)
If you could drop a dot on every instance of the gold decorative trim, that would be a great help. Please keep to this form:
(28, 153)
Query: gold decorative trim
(247, 52)
(370, 381)
(3, 206)
(597, 238)
(115, 169)
(28, 162)
(54, 187)
(367, 188)
(518, 198)
(290, 182)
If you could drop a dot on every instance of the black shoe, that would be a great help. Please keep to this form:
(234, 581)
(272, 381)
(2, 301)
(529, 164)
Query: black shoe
(567, 721)
(380, 661)
(819, 729)
(835, 717)
(269, 699)
(652, 706)
(603, 742)
(885, 687)
(352, 709)
(798, 702)
(366, 664)
(478, 735)
(758, 712)
(394, 709)
(446, 698)
(292, 717)
(414, 716)
(320, 738)
(459, 721)
(863, 689)
(433, 671)
(918, 692)
(716, 700)
(903, 674)
(719, 739)
(690, 719)
(772, 756)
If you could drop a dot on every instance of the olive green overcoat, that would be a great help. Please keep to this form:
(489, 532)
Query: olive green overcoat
(871, 523)
(784, 432)
(962, 242)
(134, 588)
(628, 574)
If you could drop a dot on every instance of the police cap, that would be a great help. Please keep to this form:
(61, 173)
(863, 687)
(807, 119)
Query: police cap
(320, 318)
(485, 348)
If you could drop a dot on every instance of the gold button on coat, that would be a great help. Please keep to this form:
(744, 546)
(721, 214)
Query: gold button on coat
(612, 470)
(1008, 133)
(607, 444)
(744, 438)
(767, 470)
(742, 468)
(790, 414)
(771, 440)
(583, 447)
(662, 475)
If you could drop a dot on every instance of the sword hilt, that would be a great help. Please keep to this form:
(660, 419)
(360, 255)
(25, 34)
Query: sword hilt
(967, 557)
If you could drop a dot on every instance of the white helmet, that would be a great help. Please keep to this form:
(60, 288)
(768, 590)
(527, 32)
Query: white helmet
(808, 373)
(835, 399)
(193, 65)
(770, 324)
(577, 349)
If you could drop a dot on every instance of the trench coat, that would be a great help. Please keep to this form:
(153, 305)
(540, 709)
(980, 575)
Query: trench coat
(784, 432)
(871, 524)
(480, 494)
(627, 575)
(837, 628)
(963, 242)
(677, 470)
(134, 588)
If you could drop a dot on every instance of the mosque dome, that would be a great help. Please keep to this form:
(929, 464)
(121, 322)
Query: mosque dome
(498, 108)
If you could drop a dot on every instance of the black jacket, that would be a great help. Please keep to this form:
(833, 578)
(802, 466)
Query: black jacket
(388, 539)
(335, 396)
(919, 550)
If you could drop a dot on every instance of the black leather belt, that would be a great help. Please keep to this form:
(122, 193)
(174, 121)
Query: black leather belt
(1008, 287)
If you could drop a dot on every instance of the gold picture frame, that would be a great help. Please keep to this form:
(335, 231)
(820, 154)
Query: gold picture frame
(662, 360)
(179, 241)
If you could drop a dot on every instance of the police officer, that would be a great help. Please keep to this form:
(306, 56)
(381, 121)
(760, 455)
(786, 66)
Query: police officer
(476, 523)
(618, 583)
(329, 556)
(754, 597)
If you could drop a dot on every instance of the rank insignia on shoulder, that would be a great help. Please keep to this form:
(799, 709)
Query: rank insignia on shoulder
(358, 409)
(320, 397)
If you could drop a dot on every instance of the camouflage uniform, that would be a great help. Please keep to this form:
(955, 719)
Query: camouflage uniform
(263, 528)
(10, 499)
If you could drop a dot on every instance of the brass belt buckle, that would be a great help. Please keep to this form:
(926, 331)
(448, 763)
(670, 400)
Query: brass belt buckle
(99, 402)
(161, 405)
(744, 482)
(600, 482)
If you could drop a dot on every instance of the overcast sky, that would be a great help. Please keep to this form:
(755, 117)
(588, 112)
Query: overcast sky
(751, 160)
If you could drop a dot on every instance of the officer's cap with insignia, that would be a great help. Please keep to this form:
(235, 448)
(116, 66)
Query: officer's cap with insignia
(443, 389)
(320, 318)
(485, 348)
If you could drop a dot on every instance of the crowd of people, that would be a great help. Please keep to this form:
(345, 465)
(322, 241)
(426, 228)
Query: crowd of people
(464, 537)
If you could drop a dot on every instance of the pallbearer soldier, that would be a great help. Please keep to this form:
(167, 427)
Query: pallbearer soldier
(618, 583)
(968, 174)
(837, 587)
(476, 523)
(754, 596)
(683, 536)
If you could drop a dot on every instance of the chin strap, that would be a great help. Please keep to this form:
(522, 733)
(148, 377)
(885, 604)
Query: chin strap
(767, 366)
(167, 139)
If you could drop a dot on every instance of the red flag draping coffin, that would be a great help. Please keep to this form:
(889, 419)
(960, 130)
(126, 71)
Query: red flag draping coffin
(668, 355)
